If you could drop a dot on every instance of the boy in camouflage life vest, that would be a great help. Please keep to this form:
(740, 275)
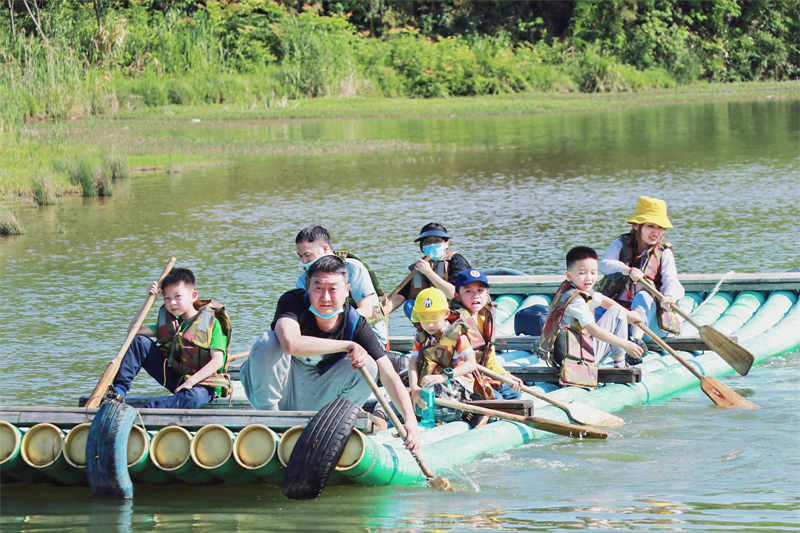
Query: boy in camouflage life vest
(571, 339)
(189, 352)
(443, 357)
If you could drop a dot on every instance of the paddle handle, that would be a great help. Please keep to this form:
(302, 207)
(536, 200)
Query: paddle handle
(395, 420)
(405, 280)
(649, 287)
(530, 390)
(113, 366)
(658, 340)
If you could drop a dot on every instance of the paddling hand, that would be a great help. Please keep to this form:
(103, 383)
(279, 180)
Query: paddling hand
(423, 267)
(357, 355)
(667, 302)
(412, 436)
(154, 289)
(634, 349)
(635, 318)
(433, 379)
(635, 274)
(517, 383)
(416, 398)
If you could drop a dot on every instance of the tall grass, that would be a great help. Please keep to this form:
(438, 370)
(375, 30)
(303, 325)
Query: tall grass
(257, 57)
(9, 225)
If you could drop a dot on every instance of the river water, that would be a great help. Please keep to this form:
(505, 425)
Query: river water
(515, 191)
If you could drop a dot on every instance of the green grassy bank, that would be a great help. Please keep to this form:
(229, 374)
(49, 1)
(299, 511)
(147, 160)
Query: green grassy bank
(44, 161)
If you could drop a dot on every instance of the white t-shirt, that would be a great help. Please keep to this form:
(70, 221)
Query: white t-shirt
(581, 310)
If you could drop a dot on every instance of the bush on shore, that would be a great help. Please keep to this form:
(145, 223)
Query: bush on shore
(257, 52)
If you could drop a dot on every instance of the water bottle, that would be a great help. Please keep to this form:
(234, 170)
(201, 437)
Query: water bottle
(428, 417)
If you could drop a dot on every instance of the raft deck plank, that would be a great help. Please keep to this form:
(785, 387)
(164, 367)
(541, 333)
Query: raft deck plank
(529, 343)
(546, 374)
(515, 407)
(738, 281)
(66, 417)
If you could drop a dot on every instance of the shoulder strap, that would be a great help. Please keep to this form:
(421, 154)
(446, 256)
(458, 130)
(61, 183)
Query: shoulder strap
(351, 321)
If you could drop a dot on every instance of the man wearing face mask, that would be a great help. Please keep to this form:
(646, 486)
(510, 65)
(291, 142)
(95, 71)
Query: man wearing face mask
(438, 264)
(314, 242)
(312, 353)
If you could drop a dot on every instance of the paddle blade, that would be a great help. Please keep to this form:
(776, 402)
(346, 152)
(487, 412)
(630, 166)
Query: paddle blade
(724, 396)
(740, 359)
(562, 428)
(586, 414)
(441, 483)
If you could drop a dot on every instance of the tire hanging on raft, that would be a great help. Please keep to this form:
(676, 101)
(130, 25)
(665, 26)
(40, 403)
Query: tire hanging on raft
(107, 450)
(318, 449)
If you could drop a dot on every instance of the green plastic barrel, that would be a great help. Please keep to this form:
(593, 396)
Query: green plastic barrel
(506, 306)
(11, 463)
(212, 450)
(255, 451)
(42, 449)
(170, 451)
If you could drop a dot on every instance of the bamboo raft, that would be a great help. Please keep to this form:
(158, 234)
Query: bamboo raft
(236, 444)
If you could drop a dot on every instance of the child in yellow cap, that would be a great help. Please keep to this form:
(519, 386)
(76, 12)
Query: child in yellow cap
(643, 252)
(442, 356)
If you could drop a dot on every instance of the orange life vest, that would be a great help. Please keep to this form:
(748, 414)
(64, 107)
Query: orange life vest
(622, 289)
(572, 342)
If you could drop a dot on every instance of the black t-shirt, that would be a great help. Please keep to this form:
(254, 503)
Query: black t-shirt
(294, 305)
(457, 263)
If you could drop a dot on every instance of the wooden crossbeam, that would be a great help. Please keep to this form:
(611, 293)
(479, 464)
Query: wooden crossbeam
(546, 374)
(24, 416)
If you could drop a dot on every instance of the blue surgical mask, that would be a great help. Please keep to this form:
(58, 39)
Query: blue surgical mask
(329, 315)
(436, 250)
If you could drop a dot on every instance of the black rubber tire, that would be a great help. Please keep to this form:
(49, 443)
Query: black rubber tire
(107, 450)
(318, 449)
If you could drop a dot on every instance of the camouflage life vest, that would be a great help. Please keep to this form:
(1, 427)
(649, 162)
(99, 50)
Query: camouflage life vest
(346, 254)
(573, 345)
(437, 354)
(481, 339)
(187, 351)
(622, 289)
(442, 269)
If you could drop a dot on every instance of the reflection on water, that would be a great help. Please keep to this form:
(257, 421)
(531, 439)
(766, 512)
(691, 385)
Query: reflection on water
(514, 191)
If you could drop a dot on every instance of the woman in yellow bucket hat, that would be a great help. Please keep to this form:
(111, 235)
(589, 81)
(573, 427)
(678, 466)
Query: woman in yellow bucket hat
(643, 252)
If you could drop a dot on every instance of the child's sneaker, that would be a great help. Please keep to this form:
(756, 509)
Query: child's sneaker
(113, 394)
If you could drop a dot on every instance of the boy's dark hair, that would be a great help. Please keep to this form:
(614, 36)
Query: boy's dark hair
(327, 264)
(312, 234)
(178, 275)
(578, 253)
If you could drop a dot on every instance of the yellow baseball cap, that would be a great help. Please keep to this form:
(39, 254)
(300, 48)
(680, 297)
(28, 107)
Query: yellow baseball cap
(651, 211)
(430, 305)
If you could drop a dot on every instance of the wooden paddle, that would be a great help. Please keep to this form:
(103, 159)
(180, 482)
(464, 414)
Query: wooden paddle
(578, 412)
(544, 424)
(403, 283)
(740, 359)
(113, 366)
(435, 481)
(719, 393)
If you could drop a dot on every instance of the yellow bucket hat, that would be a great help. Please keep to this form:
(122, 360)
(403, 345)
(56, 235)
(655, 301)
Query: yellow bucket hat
(651, 211)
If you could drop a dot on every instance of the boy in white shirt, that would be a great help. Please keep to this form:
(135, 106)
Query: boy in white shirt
(571, 333)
